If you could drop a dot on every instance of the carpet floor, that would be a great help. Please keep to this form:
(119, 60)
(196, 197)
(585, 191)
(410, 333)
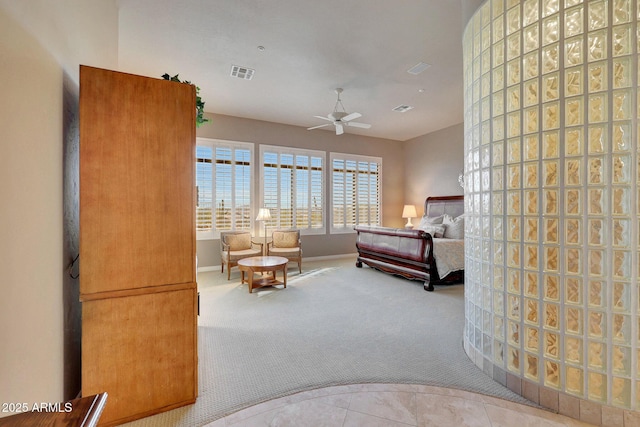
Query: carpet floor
(334, 324)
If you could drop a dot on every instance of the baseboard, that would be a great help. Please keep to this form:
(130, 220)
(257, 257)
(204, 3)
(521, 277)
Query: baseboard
(308, 259)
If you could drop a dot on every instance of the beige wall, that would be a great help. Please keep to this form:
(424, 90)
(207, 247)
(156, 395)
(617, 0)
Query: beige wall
(259, 132)
(42, 44)
(432, 164)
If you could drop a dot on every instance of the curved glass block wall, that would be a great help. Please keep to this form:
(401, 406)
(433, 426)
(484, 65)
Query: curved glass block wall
(553, 195)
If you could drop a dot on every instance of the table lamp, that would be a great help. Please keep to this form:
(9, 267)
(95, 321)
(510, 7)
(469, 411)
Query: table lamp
(409, 212)
(263, 215)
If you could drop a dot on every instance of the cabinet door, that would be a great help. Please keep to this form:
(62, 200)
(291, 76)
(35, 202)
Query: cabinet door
(137, 157)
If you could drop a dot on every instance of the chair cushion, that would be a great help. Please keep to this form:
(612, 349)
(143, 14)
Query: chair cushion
(284, 252)
(285, 239)
(238, 242)
(238, 255)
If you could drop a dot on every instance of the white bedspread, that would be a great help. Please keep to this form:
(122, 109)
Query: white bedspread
(449, 255)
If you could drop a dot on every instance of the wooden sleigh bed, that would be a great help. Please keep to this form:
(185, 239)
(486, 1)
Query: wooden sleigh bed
(414, 253)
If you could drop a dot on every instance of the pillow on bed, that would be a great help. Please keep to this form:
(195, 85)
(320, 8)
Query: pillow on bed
(454, 227)
(430, 220)
(436, 230)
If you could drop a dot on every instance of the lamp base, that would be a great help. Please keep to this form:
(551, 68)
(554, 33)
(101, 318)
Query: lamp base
(408, 225)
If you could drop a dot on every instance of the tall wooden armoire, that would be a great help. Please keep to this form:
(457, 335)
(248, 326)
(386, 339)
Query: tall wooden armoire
(137, 243)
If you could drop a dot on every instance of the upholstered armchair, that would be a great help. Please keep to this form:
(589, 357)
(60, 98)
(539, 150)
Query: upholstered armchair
(234, 246)
(287, 244)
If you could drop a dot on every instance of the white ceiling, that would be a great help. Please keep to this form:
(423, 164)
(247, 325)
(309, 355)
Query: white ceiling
(311, 48)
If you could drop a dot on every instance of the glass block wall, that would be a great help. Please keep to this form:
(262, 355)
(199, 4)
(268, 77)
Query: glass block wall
(552, 194)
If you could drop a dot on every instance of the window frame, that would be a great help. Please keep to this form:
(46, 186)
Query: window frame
(213, 143)
(294, 151)
(345, 229)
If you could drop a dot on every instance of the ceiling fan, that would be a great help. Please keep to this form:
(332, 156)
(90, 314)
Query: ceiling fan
(340, 119)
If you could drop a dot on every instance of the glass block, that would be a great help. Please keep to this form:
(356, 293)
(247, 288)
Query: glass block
(621, 233)
(550, 202)
(485, 62)
(596, 234)
(551, 374)
(497, 206)
(498, 154)
(551, 344)
(572, 201)
(513, 20)
(550, 87)
(621, 392)
(513, 72)
(597, 77)
(550, 27)
(621, 297)
(597, 324)
(513, 363)
(497, 102)
(573, 137)
(621, 105)
(573, 260)
(596, 171)
(621, 11)
(573, 320)
(573, 291)
(573, 349)
(498, 78)
(513, 198)
(549, 7)
(498, 283)
(498, 352)
(529, 12)
(531, 175)
(596, 290)
(498, 254)
(513, 124)
(574, 383)
(531, 229)
(513, 98)
(621, 134)
(596, 200)
(550, 230)
(621, 166)
(621, 73)
(551, 258)
(572, 231)
(597, 138)
(550, 58)
(597, 16)
(514, 228)
(513, 311)
(573, 111)
(513, 255)
(620, 201)
(597, 356)
(550, 116)
(530, 65)
(498, 128)
(573, 21)
(531, 147)
(573, 51)
(550, 145)
(621, 328)
(596, 262)
(531, 39)
(621, 268)
(531, 284)
(597, 386)
(573, 81)
(573, 171)
(597, 108)
(621, 40)
(530, 120)
(531, 257)
(597, 46)
(513, 151)
(513, 46)
(531, 366)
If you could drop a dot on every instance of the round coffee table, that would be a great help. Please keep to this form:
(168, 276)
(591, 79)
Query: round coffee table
(259, 264)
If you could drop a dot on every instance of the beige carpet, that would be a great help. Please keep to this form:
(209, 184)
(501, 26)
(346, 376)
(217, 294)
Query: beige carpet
(334, 324)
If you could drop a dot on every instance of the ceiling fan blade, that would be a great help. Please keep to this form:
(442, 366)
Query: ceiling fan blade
(320, 126)
(351, 117)
(323, 118)
(359, 125)
(339, 129)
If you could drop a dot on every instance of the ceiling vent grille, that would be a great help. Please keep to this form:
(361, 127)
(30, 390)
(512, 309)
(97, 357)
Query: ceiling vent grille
(418, 68)
(242, 72)
(402, 108)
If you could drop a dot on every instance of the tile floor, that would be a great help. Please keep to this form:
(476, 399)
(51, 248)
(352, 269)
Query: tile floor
(392, 405)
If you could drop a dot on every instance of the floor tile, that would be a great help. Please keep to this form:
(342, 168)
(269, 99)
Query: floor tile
(356, 419)
(444, 411)
(391, 405)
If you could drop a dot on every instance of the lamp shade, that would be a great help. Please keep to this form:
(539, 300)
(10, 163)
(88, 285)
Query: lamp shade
(409, 211)
(263, 214)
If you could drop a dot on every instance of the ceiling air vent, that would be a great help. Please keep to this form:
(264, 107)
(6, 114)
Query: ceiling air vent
(242, 72)
(418, 68)
(402, 108)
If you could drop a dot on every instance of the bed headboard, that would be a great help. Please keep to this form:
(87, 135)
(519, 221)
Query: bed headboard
(451, 205)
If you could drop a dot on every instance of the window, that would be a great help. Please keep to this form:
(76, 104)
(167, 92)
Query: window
(355, 186)
(223, 185)
(293, 188)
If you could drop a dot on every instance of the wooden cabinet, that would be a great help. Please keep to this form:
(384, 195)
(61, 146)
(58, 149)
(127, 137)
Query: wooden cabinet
(137, 243)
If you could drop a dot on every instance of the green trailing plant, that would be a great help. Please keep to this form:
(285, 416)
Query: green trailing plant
(200, 120)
